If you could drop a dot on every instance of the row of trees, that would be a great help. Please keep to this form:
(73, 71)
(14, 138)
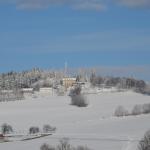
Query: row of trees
(124, 83)
(137, 110)
(63, 145)
(7, 129)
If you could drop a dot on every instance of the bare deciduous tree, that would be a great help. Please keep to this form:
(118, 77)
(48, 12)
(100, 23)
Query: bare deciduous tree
(34, 130)
(6, 128)
(144, 144)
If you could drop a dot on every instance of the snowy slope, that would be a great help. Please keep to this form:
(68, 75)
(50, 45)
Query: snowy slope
(94, 126)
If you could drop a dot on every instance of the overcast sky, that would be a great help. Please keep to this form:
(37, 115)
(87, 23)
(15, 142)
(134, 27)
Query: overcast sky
(46, 33)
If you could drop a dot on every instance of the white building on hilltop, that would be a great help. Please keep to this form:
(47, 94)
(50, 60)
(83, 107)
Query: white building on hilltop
(68, 82)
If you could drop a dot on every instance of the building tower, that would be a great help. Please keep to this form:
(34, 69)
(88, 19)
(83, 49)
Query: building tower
(66, 69)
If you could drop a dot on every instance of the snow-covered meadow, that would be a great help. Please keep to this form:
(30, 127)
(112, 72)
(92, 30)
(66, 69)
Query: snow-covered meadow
(94, 126)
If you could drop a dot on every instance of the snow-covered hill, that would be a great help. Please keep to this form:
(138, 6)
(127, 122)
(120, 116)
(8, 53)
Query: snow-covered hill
(94, 126)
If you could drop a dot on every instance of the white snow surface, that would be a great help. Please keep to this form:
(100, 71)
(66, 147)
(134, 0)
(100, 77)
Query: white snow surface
(94, 126)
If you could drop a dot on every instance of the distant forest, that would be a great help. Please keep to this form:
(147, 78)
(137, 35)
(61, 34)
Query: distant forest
(25, 79)
(47, 78)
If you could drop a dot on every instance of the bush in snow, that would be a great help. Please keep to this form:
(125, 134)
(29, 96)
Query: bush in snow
(137, 110)
(75, 91)
(47, 128)
(6, 129)
(34, 130)
(46, 147)
(77, 98)
(121, 111)
(144, 144)
(146, 108)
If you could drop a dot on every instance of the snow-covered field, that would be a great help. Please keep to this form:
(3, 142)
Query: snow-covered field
(94, 126)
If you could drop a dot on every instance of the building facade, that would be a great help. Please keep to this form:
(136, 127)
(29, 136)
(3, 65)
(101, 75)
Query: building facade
(68, 82)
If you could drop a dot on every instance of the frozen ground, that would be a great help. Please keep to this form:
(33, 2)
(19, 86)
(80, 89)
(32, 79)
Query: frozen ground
(94, 126)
